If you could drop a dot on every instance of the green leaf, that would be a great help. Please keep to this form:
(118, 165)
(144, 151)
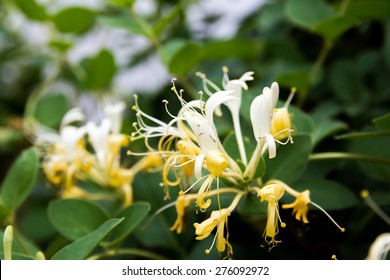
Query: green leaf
(75, 218)
(51, 108)
(73, 20)
(308, 13)
(184, 57)
(231, 48)
(327, 128)
(81, 248)
(302, 123)
(297, 79)
(100, 70)
(32, 9)
(369, 9)
(20, 179)
(251, 205)
(383, 122)
(133, 215)
(128, 23)
(374, 147)
(333, 27)
(328, 194)
(123, 3)
(290, 160)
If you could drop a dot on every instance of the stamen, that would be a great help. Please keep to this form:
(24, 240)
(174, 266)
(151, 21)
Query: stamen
(374, 207)
(290, 97)
(326, 213)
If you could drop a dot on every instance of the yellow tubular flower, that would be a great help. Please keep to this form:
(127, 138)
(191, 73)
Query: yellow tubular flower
(272, 193)
(181, 203)
(281, 124)
(216, 162)
(300, 206)
(218, 219)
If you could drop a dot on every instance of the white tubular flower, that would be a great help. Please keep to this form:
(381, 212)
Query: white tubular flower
(114, 112)
(70, 136)
(380, 247)
(73, 115)
(231, 97)
(261, 113)
(99, 136)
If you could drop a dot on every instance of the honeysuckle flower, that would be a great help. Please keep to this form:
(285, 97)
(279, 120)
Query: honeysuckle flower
(113, 112)
(64, 154)
(231, 96)
(380, 248)
(218, 219)
(271, 193)
(182, 202)
(300, 206)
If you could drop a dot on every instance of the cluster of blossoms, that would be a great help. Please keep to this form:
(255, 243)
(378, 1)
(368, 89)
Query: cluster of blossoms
(196, 161)
(88, 152)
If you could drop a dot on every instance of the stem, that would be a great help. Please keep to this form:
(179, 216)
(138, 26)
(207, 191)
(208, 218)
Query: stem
(352, 156)
(128, 251)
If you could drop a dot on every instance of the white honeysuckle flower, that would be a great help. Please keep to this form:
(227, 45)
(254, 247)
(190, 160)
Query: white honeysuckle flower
(114, 112)
(380, 247)
(231, 97)
(70, 136)
(99, 136)
(73, 115)
(261, 114)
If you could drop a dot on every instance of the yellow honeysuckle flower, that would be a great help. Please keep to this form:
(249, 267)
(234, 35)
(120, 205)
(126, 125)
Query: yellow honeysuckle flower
(272, 193)
(218, 219)
(181, 203)
(300, 206)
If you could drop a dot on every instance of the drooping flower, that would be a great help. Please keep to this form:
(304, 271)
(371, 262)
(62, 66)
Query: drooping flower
(300, 206)
(271, 193)
(218, 219)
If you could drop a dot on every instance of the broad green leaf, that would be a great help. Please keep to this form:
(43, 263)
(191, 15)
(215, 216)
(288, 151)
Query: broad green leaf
(327, 128)
(75, 218)
(133, 216)
(297, 79)
(308, 13)
(383, 122)
(123, 3)
(20, 179)
(251, 205)
(362, 135)
(369, 9)
(301, 122)
(100, 70)
(73, 19)
(17, 256)
(51, 108)
(377, 147)
(184, 58)
(124, 22)
(333, 27)
(231, 48)
(32, 9)
(328, 194)
(271, 14)
(81, 248)
(290, 160)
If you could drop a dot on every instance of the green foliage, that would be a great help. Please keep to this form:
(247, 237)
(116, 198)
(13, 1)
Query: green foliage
(73, 20)
(99, 70)
(82, 247)
(16, 188)
(75, 218)
(32, 9)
